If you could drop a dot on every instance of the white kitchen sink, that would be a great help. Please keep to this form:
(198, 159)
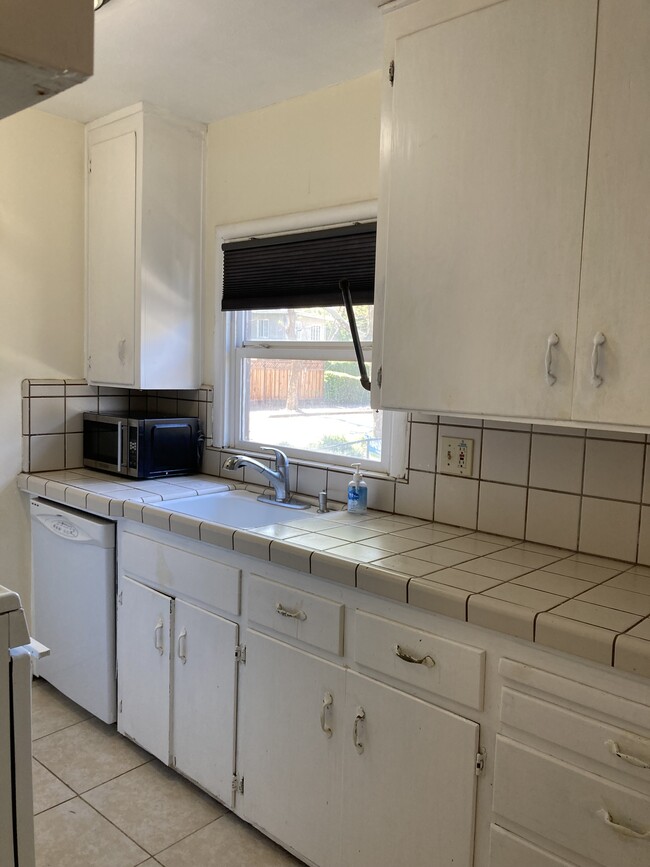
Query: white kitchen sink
(234, 509)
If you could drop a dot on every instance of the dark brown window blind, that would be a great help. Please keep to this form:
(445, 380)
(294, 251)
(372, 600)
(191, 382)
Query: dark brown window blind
(300, 270)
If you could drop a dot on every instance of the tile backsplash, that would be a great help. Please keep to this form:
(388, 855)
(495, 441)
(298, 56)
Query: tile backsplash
(571, 488)
(53, 415)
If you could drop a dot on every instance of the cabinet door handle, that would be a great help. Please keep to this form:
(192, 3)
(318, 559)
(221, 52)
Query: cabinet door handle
(621, 829)
(359, 717)
(328, 701)
(551, 341)
(596, 378)
(182, 646)
(615, 750)
(158, 636)
(427, 660)
(295, 613)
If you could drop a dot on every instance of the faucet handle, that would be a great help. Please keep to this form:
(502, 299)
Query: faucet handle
(281, 460)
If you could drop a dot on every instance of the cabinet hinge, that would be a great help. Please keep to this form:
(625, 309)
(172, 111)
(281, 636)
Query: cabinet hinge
(120, 706)
(240, 654)
(119, 598)
(379, 377)
(391, 72)
(90, 166)
(480, 761)
(238, 784)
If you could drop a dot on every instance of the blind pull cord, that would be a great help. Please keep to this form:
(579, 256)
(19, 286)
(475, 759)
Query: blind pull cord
(344, 286)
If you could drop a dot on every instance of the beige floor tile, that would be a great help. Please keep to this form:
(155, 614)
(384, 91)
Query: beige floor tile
(228, 842)
(155, 806)
(74, 835)
(52, 711)
(48, 790)
(88, 754)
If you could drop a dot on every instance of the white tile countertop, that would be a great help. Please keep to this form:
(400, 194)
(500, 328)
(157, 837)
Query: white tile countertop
(588, 606)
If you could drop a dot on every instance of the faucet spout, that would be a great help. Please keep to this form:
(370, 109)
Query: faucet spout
(278, 478)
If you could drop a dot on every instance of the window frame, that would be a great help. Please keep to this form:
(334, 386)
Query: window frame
(231, 349)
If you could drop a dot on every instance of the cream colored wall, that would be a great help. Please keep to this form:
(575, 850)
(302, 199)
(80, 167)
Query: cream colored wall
(315, 151)
(41, 269)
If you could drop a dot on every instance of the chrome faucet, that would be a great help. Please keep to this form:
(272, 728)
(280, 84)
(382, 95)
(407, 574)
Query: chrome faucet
(278, 478)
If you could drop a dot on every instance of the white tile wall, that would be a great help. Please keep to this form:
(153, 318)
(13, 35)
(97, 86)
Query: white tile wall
(560, 486)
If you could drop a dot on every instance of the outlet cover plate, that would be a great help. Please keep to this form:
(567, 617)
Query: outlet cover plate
(456, 456)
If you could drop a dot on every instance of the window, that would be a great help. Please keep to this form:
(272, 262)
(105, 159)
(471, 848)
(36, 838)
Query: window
(292, 378)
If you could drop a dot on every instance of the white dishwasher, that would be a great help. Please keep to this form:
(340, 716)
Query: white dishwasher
(73, 566)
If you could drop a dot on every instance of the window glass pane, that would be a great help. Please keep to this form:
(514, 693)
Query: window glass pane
(314, 405)
(309, 323)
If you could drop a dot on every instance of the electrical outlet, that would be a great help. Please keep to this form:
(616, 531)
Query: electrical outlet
(456, 456)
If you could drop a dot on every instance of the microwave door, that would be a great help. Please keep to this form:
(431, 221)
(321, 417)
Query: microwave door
(172, 448)
(103, 446)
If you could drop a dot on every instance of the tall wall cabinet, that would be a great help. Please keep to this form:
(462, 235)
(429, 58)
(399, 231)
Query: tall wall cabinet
(513, 261)
(144, 208)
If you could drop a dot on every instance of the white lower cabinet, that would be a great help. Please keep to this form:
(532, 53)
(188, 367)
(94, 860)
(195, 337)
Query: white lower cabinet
(290, 720)
(571, 773)
(346, 770)
(177, 684)
(341, 732)
(409, 780)
(143, 671)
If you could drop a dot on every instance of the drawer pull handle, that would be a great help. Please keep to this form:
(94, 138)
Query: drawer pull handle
(328, 701)
(295, 613)
(621, 829)
(552, 341)
(596, 378)
(615, 750)
(359, 718)
(182, 646)
(158, 636)
(427, 660)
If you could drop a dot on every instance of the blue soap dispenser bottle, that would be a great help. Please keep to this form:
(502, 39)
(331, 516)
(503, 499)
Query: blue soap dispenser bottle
(357, 493)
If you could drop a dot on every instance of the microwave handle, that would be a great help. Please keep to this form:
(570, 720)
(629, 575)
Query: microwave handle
(121, 433)
(200, 443)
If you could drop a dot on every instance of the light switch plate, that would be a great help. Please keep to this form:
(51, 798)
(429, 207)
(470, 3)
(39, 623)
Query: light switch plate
(456, 456)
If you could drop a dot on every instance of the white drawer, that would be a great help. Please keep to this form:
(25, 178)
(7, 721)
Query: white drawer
(595, 740)
(449, 669)
(583, 812)
(508, 850)
(178, 572)
(296, 613)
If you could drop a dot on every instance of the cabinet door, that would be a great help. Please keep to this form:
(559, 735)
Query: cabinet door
(409, 780)
(614, 296)
(291, 767)
(112, 260)
(143, 637)
(203, 706)
(487, 173)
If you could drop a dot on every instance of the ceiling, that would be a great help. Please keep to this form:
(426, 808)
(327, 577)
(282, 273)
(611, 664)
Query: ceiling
(209, 59)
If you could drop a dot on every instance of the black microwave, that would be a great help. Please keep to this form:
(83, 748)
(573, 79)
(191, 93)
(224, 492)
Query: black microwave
(142, 445)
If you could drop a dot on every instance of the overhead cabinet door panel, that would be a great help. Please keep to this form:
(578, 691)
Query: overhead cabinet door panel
(490, 129)
(615, 288)
(112, 259)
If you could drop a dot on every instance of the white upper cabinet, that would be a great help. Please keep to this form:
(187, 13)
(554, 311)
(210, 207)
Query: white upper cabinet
(483, 187)
(615, 286)
(513, 239)
(46, 46)
(144, 210)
